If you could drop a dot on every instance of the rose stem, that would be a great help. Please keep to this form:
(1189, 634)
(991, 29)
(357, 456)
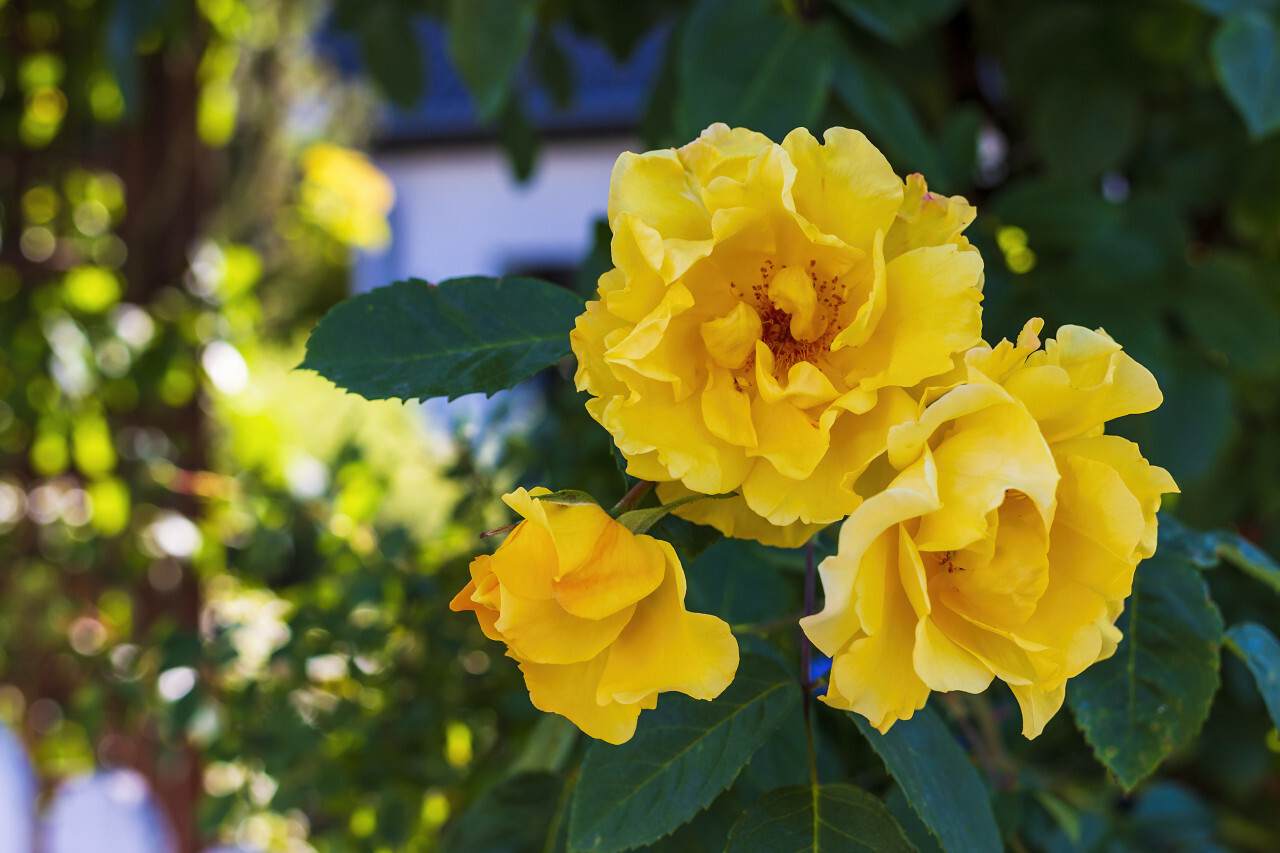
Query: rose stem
(632, 497)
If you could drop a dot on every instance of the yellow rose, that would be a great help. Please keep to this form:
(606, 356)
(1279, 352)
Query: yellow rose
(769, 306)
(1005, 543)
(345, 194)
(595, 617)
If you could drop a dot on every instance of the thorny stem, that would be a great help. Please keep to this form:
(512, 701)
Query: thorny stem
(806, 663)
(632, 497)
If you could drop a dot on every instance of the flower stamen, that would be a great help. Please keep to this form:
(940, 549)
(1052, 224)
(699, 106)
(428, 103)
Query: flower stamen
(776, 323)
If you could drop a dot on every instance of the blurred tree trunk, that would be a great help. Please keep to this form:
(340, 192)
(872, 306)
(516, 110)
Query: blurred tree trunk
(169, 177)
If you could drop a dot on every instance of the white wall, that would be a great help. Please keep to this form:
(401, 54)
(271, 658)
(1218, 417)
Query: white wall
(110, 811)
(460, 212)
(17, 796)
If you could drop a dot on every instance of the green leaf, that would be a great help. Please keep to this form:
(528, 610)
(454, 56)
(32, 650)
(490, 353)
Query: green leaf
(1246, 54)
(548, 747)
(640, 520)
(938, 780)
(1200, 548)
(1229, 307)
(1260, 651)
(554, 70)
(1154, 693)
(411, 339)
(1206, 550)
(958, 148)
(488, 39)
(518, 815)
(568, 497)
(744, 64)
(1084, 137)
(706, 833)
(896, 21)
(1171, 816)
(391, 52)
(684, 753)
(519, 139)
(886, 115)
(1053, 213)
(687, 538)
(733, 581)
(1223, 8)
(1250, 559)
(824, 819)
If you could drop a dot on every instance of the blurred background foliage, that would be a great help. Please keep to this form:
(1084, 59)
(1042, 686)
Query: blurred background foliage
(233, 578)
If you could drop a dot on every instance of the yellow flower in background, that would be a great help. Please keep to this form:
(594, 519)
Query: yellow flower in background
(1006, 544)
(769, 307)
(346, 195)
(595, 616)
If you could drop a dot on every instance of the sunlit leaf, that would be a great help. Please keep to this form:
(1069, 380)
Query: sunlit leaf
(412, 339)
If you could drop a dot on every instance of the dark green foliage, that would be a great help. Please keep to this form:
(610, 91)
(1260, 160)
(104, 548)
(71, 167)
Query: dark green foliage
(1153, 695)
(731, 580)
(412, 339)
(820, 819)
(682, 756)
(518, 815)
(687, 538)
(939, 781)
(885, 114)
(1246, 53)
(742, 63)
(1250, 559)
(388, 46)
(896, 22)
(487, 40)
(1260, 651)
(706, 833)
(1133, 145)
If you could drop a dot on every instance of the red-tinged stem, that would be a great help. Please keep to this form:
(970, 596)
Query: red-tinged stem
(632, 497)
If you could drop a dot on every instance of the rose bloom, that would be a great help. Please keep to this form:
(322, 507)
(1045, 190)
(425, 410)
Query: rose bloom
(769, 307)
(595, 617)
(1005, 542)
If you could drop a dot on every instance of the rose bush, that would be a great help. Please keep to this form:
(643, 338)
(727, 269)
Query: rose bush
(1006, 541)
(770, 309)
(595, 616)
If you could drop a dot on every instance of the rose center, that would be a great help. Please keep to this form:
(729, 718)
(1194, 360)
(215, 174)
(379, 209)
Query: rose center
(799, 321)
(944, 561)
